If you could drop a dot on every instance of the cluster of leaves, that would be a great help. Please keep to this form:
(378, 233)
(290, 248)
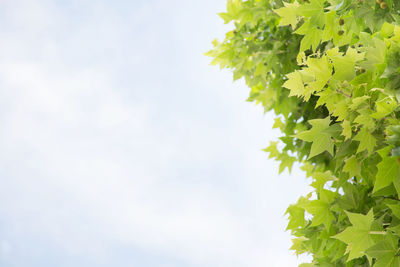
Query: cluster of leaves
(330, 70)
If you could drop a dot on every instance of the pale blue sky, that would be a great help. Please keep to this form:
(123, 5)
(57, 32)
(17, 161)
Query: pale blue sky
(120, 146)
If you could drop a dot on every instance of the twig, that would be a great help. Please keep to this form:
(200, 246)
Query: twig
(343, 93)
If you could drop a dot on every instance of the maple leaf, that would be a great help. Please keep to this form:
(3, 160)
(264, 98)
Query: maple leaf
(320, 208)
(320, 179)
(320, 69)
(358, 101)
(385, 252)
(352, 166)
(388, 170)
(311, 40)
(384, 107)
(346, 129)
(319, 136)
(272, 149)
(365, 119)
(344, 64)
(294, 84)
(366, 139)
(357, 237)
(288, 14)
(395, 209)
(296, 217)
(298, 245)
(286, 162)
(340, 110)
(278, 124)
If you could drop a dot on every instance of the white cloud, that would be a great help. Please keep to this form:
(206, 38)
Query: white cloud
(100, 148)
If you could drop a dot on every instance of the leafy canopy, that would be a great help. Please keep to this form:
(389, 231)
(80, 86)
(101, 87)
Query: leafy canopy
(330, 71)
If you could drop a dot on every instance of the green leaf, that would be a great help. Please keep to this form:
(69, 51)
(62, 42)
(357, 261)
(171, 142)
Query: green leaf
(329, 29)
(346, 129)
(395, 209)
(375, 54)
(386, 252)
(364, 119)
(225, 16)
(312, 9)
(357, 237)
(279, 124)
(344, 64)
(288, 14)
(320, 70)
(272, 149)
(298, 244)
(352, 166)
(358, 101)
(340, 109)
(333, 80)
(286, 162)
(311, 40)
(296, 217)
(387, 29)
(318, 135)
(321, 208)
(388, 170)
(320, 179)
(366, 139)
(294, 84)
(384, 107)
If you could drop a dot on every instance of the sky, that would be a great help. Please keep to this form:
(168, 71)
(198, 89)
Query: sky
(121, 146)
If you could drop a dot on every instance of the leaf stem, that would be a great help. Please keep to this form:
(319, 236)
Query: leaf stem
(343, 93)
(377, 233)
(392, 198)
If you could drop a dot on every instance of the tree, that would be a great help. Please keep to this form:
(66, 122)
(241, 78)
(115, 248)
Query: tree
(330, 70)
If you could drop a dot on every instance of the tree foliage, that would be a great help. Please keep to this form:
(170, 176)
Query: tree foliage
(330, 70)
